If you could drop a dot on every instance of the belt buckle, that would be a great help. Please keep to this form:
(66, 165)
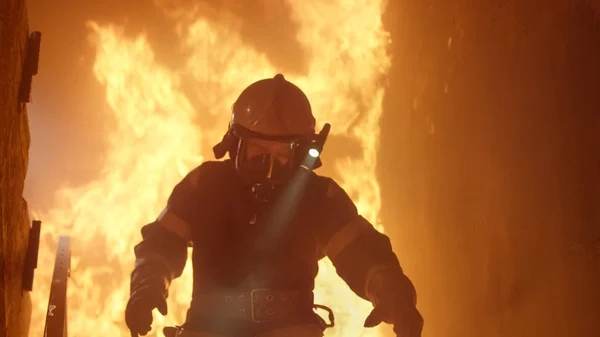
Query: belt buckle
(253, 298)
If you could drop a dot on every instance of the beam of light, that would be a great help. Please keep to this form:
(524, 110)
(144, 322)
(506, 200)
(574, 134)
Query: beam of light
(158, 139)
(283, 208)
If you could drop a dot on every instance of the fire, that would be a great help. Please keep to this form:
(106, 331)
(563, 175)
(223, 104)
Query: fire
(156, 140)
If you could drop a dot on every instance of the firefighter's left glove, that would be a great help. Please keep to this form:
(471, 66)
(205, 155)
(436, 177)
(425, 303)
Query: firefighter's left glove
(406, 319)
(138, 314)
(396, 305)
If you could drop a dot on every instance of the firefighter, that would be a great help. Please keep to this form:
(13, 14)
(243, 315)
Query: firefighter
(258, 223)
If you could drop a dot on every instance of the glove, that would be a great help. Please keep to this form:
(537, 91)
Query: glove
(405, 318)
(394, 298)
(138, 313)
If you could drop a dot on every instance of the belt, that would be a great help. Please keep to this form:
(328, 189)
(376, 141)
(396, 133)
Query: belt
(258, 305)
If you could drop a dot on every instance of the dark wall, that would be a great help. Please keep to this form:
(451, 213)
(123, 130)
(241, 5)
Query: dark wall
(494, 199)
(15, 305)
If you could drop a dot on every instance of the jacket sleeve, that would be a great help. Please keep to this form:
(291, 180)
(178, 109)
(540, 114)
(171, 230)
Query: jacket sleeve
(360, 254)
(162, 254)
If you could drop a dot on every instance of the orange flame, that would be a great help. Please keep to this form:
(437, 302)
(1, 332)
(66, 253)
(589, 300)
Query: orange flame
(156, 141)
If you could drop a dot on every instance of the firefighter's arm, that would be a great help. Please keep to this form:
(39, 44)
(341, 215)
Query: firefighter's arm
(162, 254)
(363, 257)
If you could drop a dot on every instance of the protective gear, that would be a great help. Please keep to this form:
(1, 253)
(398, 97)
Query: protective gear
(160, 258)
(239, 248)
(307, 330)
(258, 305)
(260, 159)
(144, 298)
(274, 107)
(271, 130)
(394, 298)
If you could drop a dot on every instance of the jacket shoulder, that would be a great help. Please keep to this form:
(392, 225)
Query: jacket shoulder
(326, 187)
(209, 172)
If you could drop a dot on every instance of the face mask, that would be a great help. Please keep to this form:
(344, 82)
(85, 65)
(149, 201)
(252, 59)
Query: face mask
(266, 160)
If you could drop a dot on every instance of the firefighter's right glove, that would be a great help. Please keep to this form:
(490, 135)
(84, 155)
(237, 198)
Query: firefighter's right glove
(138, 313)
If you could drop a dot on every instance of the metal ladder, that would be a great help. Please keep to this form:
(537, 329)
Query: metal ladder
(56, 317)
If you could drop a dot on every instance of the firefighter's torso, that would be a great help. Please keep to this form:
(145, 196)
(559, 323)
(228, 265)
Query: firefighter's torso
(243, 244)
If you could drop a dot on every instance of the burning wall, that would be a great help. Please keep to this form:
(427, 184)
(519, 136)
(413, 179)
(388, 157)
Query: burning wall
(497, 167)
(15, 304)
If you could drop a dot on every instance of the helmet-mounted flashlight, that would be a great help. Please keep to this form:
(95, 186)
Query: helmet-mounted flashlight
(315, 149)
(316, 146)
(313, 153)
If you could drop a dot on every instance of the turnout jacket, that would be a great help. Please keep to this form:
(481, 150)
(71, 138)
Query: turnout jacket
(238, 245)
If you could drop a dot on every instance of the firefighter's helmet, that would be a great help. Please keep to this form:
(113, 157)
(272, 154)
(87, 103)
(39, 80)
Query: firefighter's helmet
(271, 129)
(274, 107)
